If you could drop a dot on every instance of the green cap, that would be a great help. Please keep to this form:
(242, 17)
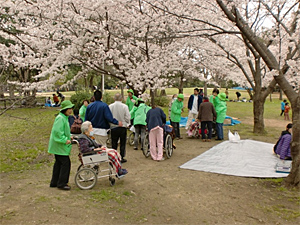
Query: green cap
(180, 96)
(131, 91)
(222, 97)
(66, 105)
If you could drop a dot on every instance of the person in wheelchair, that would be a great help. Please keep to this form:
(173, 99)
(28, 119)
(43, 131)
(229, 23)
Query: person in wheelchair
(88, 145)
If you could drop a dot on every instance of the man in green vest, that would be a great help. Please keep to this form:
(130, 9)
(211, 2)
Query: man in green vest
(176, 110)
(131, 99)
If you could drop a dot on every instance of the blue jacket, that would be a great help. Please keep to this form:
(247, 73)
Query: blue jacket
(191, 100)
(282, 105)
(99, 114)
(155, 117)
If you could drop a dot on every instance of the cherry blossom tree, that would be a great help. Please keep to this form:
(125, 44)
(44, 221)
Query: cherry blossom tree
(279, 50)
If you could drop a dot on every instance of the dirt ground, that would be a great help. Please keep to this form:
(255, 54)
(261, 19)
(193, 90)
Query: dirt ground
(152, 193)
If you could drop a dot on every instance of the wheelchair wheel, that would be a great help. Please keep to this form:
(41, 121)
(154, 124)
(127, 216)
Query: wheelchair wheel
(169, 146)
(85, 178)
(131, 139)
(112, 181)
(95, 168)
(146, 150)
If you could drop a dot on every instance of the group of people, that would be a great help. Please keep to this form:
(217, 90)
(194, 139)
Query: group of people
(202, 109)
(56, 100)
(285, 108)
(97, 119)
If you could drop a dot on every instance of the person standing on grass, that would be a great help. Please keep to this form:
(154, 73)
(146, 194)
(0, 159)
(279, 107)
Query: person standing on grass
(174, 97)
(82, 109)
(138, 113)
(286, 111)
(130, 101)
(206, 115)
(282, 106)
(221, 109)
(193, 105)
(176, 110)
(121, 113)
(99, 114)
(60, 146)
(214, 97)
(155, 119)
(55, 100)
(238, 95)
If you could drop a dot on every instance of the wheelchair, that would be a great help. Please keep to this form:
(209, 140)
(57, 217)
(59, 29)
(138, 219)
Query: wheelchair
(168, 146)
(93, 167)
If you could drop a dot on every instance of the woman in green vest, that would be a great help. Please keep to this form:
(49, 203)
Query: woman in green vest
(82, 109)
(60, 146)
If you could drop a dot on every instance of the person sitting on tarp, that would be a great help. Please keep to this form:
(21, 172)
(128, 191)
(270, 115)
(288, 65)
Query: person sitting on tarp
(282, 147)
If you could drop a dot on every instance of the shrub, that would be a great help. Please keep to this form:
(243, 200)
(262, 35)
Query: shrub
(107, 98)
(78, 98)
(162, 101)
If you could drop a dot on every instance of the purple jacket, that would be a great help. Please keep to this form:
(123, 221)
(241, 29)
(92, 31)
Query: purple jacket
(284, 149)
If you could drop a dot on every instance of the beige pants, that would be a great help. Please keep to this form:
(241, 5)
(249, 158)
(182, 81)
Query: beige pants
(191, 116)
(101, 139)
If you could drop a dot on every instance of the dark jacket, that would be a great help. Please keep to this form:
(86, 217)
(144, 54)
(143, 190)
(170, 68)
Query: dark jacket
(283, 148)
(71, 119)
(207, 112)
(86, 143)
(99, 114)
(191, 100)
(155, 117)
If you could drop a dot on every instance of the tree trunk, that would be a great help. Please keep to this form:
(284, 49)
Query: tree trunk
(293, 178)
(91, 83)
(163, 92)
(2, 89)
(122, 91)
(258, 112)
(205, 89)
(180, 88)
(152, 95)
(280, 94)
(11, 91)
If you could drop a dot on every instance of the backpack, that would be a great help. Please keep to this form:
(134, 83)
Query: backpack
(76, 126)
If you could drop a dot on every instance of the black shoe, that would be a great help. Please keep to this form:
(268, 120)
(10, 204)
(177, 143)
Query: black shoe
(53, 185)
(218, 139)
(135, 148)
(66, 188)
(123, 160)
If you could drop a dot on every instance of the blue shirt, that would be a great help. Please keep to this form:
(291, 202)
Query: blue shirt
(99, 114)
(155, 117)
(282, 105)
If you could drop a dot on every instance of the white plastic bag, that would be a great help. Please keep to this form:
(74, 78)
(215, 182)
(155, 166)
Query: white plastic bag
(237, 136)
(233, 137)
(230, 136)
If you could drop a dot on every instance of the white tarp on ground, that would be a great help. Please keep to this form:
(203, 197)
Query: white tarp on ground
(245, 158)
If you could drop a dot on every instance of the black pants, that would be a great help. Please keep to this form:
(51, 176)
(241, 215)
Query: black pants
(282, 111)
(61, 171)
(176, 128)
(116, 134)
(207, 124)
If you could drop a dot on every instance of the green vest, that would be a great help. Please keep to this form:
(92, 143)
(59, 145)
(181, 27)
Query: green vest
(59, 135)
(176, 111)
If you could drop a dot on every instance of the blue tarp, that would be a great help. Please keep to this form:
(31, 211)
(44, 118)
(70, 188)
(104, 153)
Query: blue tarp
(241, 88)
(183, 121)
